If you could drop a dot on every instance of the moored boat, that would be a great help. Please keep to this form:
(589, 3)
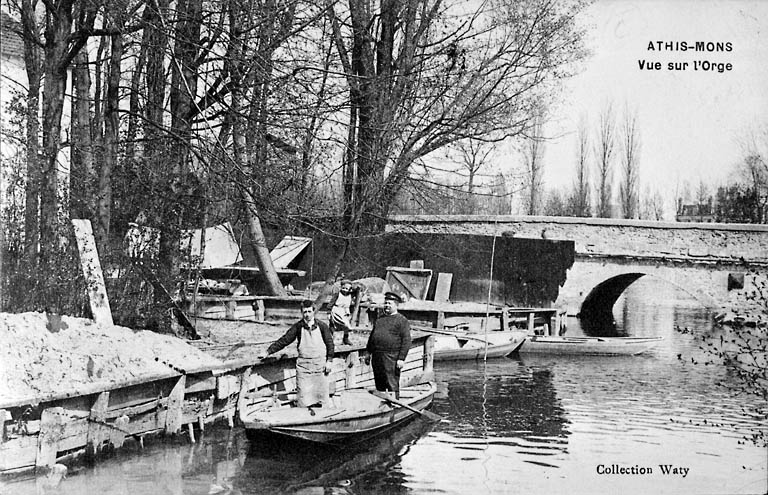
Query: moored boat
(589, 345)
(352, 415)
(462, 345)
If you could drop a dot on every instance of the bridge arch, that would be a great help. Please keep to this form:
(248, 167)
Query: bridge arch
(604, 295)
(593, 286)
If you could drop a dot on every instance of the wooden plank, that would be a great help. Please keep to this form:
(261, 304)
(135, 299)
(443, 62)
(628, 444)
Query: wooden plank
(140, 393)
(428, 354)
(505, 320)
(242, 396)
(98, 433)
(51, 429)
(137, 409)
(175, 403)
(260, 311)
(18, 453)
(89, 260)
(74, 434)
(200, 383)
(352, 361)
(118, 430)
(4, 416)
(143, 424)
(231, 307)
(443, 287)
(227, 385)
(414, 282)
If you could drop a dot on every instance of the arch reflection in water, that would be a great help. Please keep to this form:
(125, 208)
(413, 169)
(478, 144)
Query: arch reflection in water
(291, 465)
(501, 402)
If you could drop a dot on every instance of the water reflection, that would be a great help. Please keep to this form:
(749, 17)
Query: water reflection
(598, 324)
(224, 462)
(501, 402)
(293, 466)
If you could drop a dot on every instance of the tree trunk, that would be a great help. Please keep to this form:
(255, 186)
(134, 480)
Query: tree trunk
(32, 186)
(58, 28)
(240, 132)
(83, 170)
(111, 136)
(259, 245)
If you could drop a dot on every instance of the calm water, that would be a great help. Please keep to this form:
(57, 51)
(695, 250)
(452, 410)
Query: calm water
(534, 424)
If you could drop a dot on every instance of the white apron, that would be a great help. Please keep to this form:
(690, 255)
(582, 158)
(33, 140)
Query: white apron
(311, 381)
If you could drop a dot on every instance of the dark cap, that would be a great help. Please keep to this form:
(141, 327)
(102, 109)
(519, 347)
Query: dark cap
(393, 296)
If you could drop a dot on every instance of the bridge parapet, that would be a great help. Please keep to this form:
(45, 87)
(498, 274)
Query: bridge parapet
(601, 237)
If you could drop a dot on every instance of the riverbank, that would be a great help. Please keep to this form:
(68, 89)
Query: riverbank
(70, 387)
(43, 355)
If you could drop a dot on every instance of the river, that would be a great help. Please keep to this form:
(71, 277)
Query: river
(655, 423)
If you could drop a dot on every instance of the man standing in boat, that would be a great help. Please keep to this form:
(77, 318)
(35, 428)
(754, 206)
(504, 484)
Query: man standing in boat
(313, 364)
(388, 344)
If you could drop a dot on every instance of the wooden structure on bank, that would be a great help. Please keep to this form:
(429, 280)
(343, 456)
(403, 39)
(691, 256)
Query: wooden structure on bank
(475, 317)
(38, 432)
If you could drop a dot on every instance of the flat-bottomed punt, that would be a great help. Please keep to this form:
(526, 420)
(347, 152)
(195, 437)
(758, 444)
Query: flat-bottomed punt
(351, 416)
(451, 346)
(628, 346)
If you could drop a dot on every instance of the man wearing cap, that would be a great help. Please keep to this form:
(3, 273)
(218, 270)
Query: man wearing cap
(313, 364)
(388, 344)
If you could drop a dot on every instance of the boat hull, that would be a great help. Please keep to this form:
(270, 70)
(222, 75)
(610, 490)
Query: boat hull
(354, 415)
(473, 346)
(614, 346)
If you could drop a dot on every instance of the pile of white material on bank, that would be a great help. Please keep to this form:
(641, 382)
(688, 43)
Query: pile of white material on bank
(44, 356)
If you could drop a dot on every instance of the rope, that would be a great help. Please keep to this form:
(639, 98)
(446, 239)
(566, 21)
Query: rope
(488, 299)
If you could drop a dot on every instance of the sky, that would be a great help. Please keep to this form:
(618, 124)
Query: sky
(689, 120)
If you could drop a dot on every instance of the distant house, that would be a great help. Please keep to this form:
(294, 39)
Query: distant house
(13, 78)
(696, 212)
(14, 83)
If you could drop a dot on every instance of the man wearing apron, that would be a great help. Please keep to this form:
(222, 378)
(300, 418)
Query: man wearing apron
(315, 346)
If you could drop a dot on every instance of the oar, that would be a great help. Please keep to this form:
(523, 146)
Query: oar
(452, 334)
(384, 396)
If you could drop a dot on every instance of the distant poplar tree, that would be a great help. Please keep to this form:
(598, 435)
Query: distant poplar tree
(630, 163)
(604, 148)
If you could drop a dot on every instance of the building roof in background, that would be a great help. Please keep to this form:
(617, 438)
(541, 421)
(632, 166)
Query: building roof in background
(11, 42)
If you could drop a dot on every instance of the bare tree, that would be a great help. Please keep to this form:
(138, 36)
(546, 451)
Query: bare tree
(703, 200)
(555, 204)
(580, 198)
(753, 170)
(651, 205)
(604, 148)
(534, 165)
(422, 75)
(472, 154)
(630, 157)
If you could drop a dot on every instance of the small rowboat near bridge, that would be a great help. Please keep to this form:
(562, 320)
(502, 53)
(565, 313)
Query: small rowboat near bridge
(628, 346)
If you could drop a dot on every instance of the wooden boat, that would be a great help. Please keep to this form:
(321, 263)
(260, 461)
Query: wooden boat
(588, 345)
(462, 345)
(353, 415)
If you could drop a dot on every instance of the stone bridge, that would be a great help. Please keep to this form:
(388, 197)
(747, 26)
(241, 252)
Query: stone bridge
(712, 262)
